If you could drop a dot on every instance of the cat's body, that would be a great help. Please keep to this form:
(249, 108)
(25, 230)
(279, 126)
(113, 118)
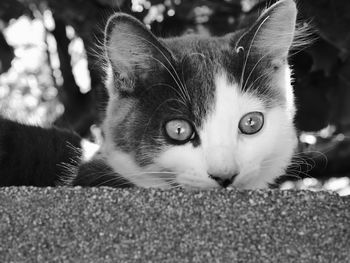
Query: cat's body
(196, 112)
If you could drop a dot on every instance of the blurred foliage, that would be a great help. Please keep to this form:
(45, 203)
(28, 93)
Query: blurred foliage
(321, 71)
(27, 91)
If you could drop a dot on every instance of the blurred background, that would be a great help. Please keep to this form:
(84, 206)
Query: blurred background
(51, 73)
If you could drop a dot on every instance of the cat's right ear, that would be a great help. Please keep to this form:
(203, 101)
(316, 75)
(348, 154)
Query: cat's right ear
(132, 50)
(273, 33)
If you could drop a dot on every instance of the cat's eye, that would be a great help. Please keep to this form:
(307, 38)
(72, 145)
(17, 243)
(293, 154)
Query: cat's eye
(179, 130)
(251, 123)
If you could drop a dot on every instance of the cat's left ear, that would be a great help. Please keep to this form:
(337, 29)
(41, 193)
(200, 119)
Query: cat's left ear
(132, 50)
(272, 34)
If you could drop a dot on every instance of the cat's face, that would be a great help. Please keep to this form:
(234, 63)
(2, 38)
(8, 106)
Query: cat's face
(200, 112)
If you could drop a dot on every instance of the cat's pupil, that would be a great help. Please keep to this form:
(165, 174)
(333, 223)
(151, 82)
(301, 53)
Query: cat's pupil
(250, 122)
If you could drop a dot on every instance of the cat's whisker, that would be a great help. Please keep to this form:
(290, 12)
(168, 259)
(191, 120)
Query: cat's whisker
(258, 78)
(149, 173)
(249, 50)
(252, 70)
(320, 154)
(101, 175)
(303, 173)
(309, 162)
(119, 182)
(274, 159)
(316, 153)
(160, 175)
(176, 110)
(114, 182)
(294, 173)
(182, 101)
(169, 183)
(309, 167)
(291, 175)
(124, 179)
(166, 186)
(292, 167)
(182, 70)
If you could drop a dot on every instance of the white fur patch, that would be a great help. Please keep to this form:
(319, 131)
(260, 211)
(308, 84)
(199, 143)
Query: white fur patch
(284, 84)
(89, 149)
(124, 164)
(189, 164)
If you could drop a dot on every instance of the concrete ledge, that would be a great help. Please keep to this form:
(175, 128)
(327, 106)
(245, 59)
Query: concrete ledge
(139, 225)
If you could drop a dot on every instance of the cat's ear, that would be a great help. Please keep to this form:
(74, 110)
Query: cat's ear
(132, 50)
(272, 35)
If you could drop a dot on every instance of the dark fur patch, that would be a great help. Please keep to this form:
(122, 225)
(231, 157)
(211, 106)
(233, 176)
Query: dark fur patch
(35, 156)
(98, 173)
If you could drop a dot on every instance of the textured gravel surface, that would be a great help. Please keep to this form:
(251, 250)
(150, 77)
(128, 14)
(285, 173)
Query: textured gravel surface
(138, 225)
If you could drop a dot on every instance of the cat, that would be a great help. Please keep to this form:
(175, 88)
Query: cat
(194, 111)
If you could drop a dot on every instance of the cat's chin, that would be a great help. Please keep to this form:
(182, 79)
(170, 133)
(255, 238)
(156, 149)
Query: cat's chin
(192, 183)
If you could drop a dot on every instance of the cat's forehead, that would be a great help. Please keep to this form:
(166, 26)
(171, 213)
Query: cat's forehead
(200, 52)
(200, 59)
(184, 45)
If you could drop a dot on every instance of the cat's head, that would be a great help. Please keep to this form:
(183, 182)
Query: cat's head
(200, 112)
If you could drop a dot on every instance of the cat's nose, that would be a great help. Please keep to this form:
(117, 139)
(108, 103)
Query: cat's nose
(224, 181)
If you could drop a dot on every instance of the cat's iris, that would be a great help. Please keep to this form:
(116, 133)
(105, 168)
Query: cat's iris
(179, 130)
(251, 123)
